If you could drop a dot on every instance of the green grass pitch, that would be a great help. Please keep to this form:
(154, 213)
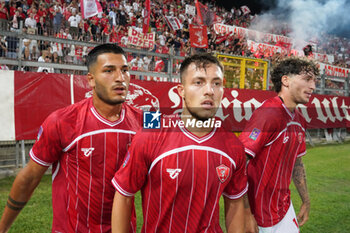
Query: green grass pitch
(328, 177)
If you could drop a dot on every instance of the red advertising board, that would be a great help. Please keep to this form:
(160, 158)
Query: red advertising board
(39, 94)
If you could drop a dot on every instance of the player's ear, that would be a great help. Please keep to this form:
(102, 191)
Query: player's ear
(285, 81)
(180, 90)
(91, 80)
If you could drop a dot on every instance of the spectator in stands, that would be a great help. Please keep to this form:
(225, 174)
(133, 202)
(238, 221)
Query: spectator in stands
(41, 26)
(34, 53)
(44, 44)
(12, 46)
(4, 16)
(93, 29)
(74, 21)
(15, 21)
(30, 23)
(4, 67)
(106, 32)
(112, 16)
(45, 58)
(57, 19)
(3, 48)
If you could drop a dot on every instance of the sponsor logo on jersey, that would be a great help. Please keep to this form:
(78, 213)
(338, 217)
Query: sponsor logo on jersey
(173, 173)
(39, 133)
(223, 172)
(254, 134)
(285, 139)
(151, 120)
(126, 159)
(87, 151)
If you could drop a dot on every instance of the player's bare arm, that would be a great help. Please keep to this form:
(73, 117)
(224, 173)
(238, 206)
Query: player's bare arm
(250, 223)
(299, 179)
(22, 189)
(234, 215)
(121, 213)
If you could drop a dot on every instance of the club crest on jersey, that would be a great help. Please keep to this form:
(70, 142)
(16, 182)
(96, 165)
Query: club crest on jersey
(255, 134)
(173, 173)
(223, 172)
(87, 151)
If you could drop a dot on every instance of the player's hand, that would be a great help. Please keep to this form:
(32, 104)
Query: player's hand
(250, 223)
(303, 215)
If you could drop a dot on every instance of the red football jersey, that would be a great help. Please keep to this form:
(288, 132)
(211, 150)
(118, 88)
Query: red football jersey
(182, 177)
(274, 137)
(85, 150)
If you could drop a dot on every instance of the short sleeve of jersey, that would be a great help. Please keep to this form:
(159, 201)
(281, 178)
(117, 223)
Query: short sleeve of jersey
(47, 148)
(238, 184)
(132, 175)
(301, 138)
(258, 131)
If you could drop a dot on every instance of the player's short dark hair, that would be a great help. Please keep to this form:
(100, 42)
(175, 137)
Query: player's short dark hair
(201, 60)
(292, 66)
(101, 49)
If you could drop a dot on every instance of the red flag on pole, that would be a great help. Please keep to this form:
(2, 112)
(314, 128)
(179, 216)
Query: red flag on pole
(245, 10)
(198, 36)
(199, 14)
(146, 16)
(205, 15)
(90, 8)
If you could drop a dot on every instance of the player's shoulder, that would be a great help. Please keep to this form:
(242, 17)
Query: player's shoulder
(131, 110)
(228, 138)
(271, 109)
(68, 113)
(133, 116)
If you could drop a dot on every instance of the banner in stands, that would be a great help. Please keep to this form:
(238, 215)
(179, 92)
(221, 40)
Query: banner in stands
(335, 71)
(220, 28)
(265, 48)
(33, 96)
(139, 39)
(198, 36)
(173, 22)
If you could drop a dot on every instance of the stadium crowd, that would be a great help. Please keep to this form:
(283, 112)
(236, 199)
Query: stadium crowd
(63, 19)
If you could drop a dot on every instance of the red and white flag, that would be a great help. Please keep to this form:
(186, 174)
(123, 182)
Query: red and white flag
(146, 16)
(245, 10)
(205, 15)
(217, 19)
(198, 36)
(173, 22)
(199, 17)
(90, 8)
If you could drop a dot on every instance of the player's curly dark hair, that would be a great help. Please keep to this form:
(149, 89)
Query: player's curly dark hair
(292, 66)
(101, 49)
(201, 60)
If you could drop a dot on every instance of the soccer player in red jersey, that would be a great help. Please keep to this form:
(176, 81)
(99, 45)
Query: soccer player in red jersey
(86, 144)
(274, 141)
(183, 169)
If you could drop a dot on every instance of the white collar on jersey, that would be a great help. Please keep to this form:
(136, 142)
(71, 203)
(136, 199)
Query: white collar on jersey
(104, 120)
(291, 114)
(194, 137)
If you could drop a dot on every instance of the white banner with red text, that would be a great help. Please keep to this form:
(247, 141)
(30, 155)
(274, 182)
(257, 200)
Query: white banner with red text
(139, 39)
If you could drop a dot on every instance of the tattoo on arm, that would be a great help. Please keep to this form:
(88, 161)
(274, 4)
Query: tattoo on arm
(299, 178)
(15, 205)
